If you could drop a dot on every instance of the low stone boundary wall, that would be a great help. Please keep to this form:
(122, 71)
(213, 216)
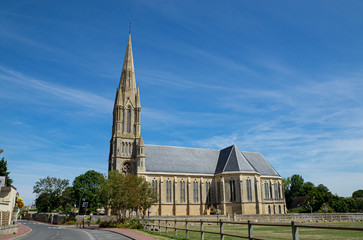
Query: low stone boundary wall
(301, 217)
(56, 218)
(52, 218)
(10, 229)
(277, 218)
(96, 218)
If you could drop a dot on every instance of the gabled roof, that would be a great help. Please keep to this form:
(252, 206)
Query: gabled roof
(232, 160)
(204, 161)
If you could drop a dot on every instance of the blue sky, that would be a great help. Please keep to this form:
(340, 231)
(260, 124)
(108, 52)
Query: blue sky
(278, 77)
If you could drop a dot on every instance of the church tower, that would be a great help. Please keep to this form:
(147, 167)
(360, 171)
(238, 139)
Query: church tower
(127, 151)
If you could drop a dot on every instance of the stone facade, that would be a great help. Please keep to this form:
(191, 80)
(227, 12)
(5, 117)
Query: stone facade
(189, 181)
(7, 204)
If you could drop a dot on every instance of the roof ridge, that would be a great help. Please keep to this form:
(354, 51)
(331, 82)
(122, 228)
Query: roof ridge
(182, 147)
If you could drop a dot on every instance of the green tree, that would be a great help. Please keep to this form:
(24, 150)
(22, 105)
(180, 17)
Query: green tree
(338, 204)
(287, 184)
(351, 203)
(87, 186)
(297, 183)
(359, 205)
(306, 188)
(124, 193)
(4, 172)
(49, 190)
(50, 185)
(293, 189)
(43, 202)
(67, 200)
(358, 194)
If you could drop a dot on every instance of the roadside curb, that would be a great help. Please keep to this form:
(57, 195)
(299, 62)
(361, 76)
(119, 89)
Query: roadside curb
(118, 233)
(29, 230)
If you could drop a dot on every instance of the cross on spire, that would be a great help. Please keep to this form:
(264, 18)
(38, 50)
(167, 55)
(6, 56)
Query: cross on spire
(130, 28)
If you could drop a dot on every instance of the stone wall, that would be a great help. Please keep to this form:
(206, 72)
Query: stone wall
(95, 218)
(4, 218)
(52, 218)
(55, 218)
(277, 218)
(10, 229)
(301, 217)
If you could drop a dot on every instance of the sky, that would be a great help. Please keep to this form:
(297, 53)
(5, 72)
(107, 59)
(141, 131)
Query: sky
(284, 78)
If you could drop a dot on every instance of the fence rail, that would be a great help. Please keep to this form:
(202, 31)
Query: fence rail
(155, 225)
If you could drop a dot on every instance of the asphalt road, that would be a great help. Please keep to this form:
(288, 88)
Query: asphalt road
(42, 231)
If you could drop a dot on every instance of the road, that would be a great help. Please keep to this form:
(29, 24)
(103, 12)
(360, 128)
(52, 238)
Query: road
(42, 231)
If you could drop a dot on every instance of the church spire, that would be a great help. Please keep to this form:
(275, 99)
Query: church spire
(126, 148)
(127, 80)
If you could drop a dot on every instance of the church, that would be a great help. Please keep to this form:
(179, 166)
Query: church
(189, 181)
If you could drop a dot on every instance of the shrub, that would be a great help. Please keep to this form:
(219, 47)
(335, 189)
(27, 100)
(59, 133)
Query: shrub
(132, 223)
(71, 222)
(112, 223)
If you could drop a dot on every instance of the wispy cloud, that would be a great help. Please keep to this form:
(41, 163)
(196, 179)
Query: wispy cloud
(75, 96)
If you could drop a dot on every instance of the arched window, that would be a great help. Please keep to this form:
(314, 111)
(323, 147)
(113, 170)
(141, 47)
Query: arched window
(249, 190)
(182, 191)
(232, 185)
(208, 191)
(267, 191)
(279, 209)
(155, 187)
(276, 191)
(195, 191)
(269, 209)
(168, 191)
(129, 120)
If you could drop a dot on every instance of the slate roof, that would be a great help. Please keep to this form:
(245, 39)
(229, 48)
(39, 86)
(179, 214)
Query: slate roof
(260, 164)
(205, 161)
(180, 159)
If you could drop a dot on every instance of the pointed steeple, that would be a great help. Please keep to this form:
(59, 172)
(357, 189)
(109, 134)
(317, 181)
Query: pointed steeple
(126, 145)
(127, 80)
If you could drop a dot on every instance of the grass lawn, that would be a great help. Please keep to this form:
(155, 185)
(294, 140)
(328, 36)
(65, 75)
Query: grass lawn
(269, 232)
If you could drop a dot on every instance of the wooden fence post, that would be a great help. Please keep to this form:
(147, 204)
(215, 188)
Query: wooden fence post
(153, 226)
(250, 230)
(159, 227)
(175, 231)
(221, 229)
(295, 231)
(166, 229)
(201, 230)
(186, 229)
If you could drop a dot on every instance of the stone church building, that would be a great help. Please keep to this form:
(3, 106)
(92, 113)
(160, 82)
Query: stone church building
(189, 181)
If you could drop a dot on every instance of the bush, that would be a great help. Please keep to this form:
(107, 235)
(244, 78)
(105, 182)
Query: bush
(132, 223)
(112, 223)
(71, 222)
(298, 210)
